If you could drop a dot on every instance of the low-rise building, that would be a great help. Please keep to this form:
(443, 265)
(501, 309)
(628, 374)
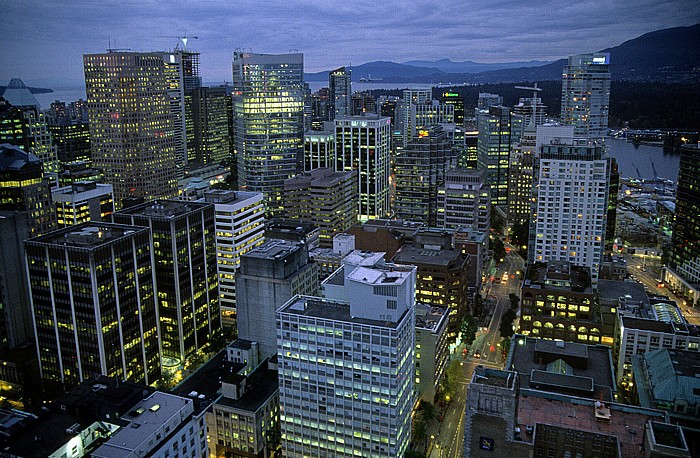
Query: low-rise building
(558, 302)
(108, 418)
(555, 399)
(667, 380)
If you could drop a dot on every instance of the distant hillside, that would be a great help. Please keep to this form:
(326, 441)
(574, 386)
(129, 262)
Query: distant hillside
(468, 66)
(668, 55)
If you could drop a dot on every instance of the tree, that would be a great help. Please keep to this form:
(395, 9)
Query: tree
(514, 300)
(478, 305)
(506, 327)
(428, 410)
(468, 329)
(414, 454)
(420, 433)
(519, 234)
(499, 250)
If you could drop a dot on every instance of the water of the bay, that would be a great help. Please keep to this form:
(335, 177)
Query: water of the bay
(631, 157)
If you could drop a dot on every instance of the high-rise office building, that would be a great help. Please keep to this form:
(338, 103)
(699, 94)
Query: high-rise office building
(570, 203)
(15, 309)
(319, 149)
(499, 131)
(182, 75)
(82, 202)
(270, 275)
(455, 99)
(324, 198)
(340, 86)
(585, 94)
(31, 131)
(420, 170)
(362, 144)
(487, 100)
(72, 140)
(520, 176)
(93, 303)
(240, 227)
(187, 286)
(269, 122)
(24, 189)
(132, 131)
(464, 200)
(351, 392)
(26, 210)
(208, 115)
(683, 272)
(361, 103)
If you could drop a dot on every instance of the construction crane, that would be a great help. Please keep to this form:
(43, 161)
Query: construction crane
(653, 167)
(183, 38)
(534, 90)
(637, 169)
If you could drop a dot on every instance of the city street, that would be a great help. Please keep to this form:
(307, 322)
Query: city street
(448, 436)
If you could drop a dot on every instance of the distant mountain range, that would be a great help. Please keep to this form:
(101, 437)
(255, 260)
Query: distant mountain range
(668, 55)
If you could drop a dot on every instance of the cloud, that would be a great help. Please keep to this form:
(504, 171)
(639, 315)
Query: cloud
(45, 40)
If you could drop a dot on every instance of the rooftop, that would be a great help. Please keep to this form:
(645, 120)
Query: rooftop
(410, 254)
(563, 367)
(331, 310)
(260, 384)
(275, 248)
(430, 317)
(146, 418)
(625, 422)
(88, 235)
(204, 384)
(163, 208)
(610, 291)
(15, 158)
(558, 275)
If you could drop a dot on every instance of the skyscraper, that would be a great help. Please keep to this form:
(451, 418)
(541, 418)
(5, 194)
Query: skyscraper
(340, 86)
(350, 393)
(570, 196)
(362, 144)
(268, 122)
(499, 130)
(420, 170)
(31, 129)
(93, 302)
(208, 115)
(683, 273)
(585, 94)
(187, 287)
(182, 76)
(26, 210)
(520, 176)
(132, 130)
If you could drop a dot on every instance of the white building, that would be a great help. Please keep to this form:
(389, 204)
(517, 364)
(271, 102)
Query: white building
(570, 197)
(585, 94)
(240, 227)
(161, 425)
(363, 144)
(346, 366)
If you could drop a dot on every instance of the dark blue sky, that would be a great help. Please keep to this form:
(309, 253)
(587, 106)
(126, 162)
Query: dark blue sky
(42, 42)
